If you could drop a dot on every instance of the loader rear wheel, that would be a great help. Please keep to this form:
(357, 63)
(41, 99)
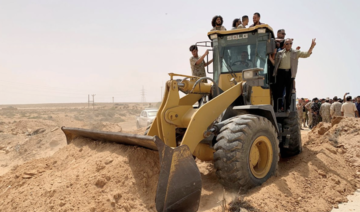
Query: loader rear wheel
(247, 152)
(295, 145)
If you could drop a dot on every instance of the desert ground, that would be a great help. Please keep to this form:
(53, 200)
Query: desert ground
(40, 172)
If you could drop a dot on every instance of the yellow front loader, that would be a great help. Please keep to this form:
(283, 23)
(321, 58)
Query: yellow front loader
(234, 124)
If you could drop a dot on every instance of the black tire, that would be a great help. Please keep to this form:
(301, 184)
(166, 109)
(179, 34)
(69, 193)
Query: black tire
(233, 146)
(295, 144)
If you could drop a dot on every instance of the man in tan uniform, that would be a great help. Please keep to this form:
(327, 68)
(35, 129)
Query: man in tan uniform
(335, 109)
(348, 109)
(325, 111)
(308, 107)
(299, 107)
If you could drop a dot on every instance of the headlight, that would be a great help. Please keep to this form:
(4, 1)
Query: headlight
(248, 75)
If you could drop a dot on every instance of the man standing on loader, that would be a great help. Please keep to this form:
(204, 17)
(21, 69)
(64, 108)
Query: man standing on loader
(286, 64)
(198, 64)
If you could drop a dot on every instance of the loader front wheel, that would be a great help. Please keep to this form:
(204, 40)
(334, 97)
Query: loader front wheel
(247, 152)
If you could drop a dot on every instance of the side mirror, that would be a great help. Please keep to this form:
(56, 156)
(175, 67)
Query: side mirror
(270, 46)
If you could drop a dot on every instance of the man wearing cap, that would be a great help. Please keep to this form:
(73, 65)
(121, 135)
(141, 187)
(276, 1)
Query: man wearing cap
(315, 107)
(335, 109)
(325, 111)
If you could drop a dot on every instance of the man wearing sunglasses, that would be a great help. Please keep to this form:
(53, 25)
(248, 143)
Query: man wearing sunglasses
(286, 64)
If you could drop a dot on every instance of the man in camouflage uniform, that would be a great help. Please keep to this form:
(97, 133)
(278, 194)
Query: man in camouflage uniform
(315, 107)
(335, 109)
(308, 107)
(198, 66)
(299, 107)
(197, 63)
(325, 111)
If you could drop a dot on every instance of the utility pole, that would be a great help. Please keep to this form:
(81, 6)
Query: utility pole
(113, 99)
(88, 101)
(143, 95)
(93, 101)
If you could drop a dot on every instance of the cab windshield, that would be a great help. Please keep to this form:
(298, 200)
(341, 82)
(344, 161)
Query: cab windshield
(240, 52)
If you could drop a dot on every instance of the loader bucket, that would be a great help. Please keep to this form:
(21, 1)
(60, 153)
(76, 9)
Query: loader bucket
(179, 184)
(121, 138)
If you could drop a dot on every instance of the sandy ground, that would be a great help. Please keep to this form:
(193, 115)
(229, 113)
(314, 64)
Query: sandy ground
(39, 172)
(352, 205)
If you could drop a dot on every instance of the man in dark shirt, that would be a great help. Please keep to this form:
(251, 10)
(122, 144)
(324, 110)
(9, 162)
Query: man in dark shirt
(256, 19)
(357, 104)
(315, 107)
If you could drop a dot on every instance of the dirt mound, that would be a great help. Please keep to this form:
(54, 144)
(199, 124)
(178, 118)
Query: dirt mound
(84, 176)
(26, 140)
(94, 176)
(320, 177)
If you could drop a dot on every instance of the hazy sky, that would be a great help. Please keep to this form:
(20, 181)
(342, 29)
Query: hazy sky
(60, 50)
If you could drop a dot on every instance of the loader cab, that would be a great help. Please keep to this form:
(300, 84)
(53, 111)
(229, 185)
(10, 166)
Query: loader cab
(240, 49)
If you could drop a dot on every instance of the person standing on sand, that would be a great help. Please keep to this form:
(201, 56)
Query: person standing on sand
(315, 107)
(308, 107)
(357, 104)
(335, 108)
(325, 111)
(299, 108)
(348, 109)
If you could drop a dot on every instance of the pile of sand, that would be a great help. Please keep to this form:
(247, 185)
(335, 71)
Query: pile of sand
(25, 140)
(320, 177)
(84, 176)
(94, 176)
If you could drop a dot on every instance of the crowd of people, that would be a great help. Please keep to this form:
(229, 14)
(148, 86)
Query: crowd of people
(284, 60)
(323, 110)
(217, 22)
